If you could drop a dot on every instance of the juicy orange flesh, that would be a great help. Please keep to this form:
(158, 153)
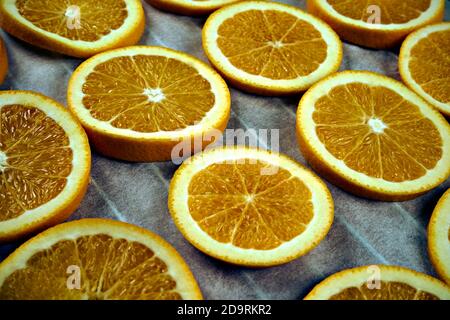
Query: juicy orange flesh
(429, 65)
(390, 11)
(94, 20)
(249, 204)
(109, 268)
(36, 161)
(272, 44)
(409, 144)
(147, 93)
(388, 291)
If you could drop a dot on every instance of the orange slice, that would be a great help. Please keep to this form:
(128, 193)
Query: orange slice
(374, 137)
(377, 23)
(439, 237)
(79, 28)
(380, 282)
(137, 103)
(44, 163)
(3, 61)
(424, 65)
(190, 7)
(96, 259)
(270, 48)
(249, 207)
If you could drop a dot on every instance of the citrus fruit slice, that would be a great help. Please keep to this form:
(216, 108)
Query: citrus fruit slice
(190, 7)
(373, 136)
(424, 64)
(439, 237)
(249, 207)
(137, 103)
(270, 48)
(3, 61)
(96, 259)
(380, 282)
(377, 24)
(78, 28)
(44, 163)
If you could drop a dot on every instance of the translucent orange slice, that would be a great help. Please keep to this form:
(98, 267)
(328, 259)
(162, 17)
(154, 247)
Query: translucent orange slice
(380, 282)
(190, 7)
(377, 23)
(249, 206)
(270, 48)
(138, 103)
(373, 136)
(79, 28)
(96, 259)
(44, 163)
(424, 65)
(439, 237)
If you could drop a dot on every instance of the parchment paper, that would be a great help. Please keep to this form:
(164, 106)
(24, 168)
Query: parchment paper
(364, 232)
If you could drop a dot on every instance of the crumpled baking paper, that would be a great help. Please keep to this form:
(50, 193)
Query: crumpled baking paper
(364, 232)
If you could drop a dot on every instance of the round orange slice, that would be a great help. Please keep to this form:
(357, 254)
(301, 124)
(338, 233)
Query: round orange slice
(249, 207)
(138, 103)
(44, 163)
(373, 136)
(3, 61)
(377, 23)
(270, 48)
(190, 7)
(439, 237)
(78, 28)
(380, 282)
(424, 64)
(96, 259)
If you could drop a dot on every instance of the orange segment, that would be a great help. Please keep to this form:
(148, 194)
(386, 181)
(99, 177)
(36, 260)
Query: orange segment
(38, 178)
(37, 159)
(430, 63)
(97, 18)
(392, 11)
(370, 129)
(377, 23)
(138, 103)
(372, 136)
(119, 264)
(425, 64)
(256, 208)
(270, 48)
(234, 204)
(78, 28)
(266, 43)
(147, 93)
(379, 282)
(388, 291)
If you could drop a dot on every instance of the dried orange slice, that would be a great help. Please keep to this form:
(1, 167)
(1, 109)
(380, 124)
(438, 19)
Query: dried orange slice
(44, 163)
(380, 282)
(137, 103)
(377, 23)
(79, 28)
(3, 61)
(270, 48)
(424, 64)
(96, 259)
(190, 7)
(439, 237)
(249, 207)
(373, 137)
